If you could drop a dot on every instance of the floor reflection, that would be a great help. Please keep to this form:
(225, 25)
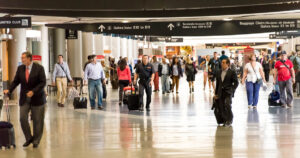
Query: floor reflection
(223, 142)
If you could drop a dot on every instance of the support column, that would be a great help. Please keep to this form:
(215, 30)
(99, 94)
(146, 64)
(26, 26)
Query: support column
(130, 50)
(124, 47)
(98, 44)
(116, 47)
(74, 47)
(87, 45)
(59, 43)
(42, 48)
(15, 49)
(135, 51)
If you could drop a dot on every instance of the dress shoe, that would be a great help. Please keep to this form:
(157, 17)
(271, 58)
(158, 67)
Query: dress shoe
(100, 108)
(27, 143)
(58, 104)
(163, 92)
(148, 109)
(62, 105)
(168, 92)
(93, 108)
(35, 145)
(141, 109)
(120, 102)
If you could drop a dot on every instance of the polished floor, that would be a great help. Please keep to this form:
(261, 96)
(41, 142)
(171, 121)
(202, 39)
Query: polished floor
(178, 126)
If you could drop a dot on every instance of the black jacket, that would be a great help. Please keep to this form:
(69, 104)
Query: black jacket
(228, 86)
(179, 70)
(36, 83)
(160, 69)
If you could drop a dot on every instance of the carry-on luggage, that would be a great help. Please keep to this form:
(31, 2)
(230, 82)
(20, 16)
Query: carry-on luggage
(133, 100)
(115, 81)
(104, 90)
(298, 84)
(7, 133)
(217, 112)
(80, 102)
(127, 91)
(274, 98)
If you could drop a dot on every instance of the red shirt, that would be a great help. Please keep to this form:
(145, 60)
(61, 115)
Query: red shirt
(125, 74)
(283, 72)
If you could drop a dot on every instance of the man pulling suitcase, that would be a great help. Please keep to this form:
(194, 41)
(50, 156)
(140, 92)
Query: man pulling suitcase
(145, 73)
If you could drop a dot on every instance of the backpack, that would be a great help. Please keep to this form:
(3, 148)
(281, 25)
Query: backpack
(295, 63)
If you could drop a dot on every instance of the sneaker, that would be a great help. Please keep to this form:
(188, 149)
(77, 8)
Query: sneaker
(93, 108)
(120, 102)
(193, 89)
(254, 107)
(163, 92)
(100, 108)
(190, 90)
(249, 106)
(289, 105)
(177, 92)
(168, 92)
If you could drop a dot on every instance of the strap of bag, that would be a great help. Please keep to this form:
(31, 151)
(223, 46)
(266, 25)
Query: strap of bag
(286, 67)
(63, 70)
(254, 71)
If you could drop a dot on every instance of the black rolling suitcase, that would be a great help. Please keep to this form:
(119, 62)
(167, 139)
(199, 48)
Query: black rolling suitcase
(133, 100)
(104, 90)
(217, 112)
(274, 98)
(80, 102)
(7, 133)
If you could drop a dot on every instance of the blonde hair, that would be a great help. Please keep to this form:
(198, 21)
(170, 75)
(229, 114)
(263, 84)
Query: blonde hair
(188, 60)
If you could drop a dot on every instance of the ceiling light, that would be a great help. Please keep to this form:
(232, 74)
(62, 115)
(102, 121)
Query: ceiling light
(227, 19)
(125, 21)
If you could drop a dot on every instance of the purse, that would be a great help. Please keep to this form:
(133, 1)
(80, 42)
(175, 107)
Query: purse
(259, 80)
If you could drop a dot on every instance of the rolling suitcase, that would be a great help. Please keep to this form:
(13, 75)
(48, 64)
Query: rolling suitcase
(80, 102)
(133, 100)
(274, 99)
(7, 133)
(127, 91)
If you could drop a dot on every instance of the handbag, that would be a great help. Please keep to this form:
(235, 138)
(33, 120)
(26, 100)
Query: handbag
(259, 80)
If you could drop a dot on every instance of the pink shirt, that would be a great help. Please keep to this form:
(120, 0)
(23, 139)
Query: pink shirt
(125, 74)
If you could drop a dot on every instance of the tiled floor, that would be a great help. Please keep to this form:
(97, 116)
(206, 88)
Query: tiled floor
(178, 126)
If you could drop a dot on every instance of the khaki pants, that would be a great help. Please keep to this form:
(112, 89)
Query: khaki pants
(62, 85)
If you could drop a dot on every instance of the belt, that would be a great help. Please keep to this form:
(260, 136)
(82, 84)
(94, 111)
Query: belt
(61, 77)
(95, 79)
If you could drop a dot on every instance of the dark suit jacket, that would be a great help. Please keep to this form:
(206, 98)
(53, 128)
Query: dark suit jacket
(160, 69)
(36, 83)
(228, 86)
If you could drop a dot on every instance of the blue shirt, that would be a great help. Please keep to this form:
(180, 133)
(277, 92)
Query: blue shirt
(93, 71)
(223, 57)
(59, 72)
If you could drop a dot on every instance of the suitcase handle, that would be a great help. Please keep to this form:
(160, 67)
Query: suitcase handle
(6, 98)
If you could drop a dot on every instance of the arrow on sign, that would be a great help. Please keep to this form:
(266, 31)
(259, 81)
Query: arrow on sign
(101, 27)
(171, 26)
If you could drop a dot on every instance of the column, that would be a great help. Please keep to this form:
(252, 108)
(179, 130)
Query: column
(130, 50)
(74, 50)
(98, 44)
(59, 43)
(135, 51)
(123, 47)
(41, 48)
(87, 45)
(116, 47)
(15, 49)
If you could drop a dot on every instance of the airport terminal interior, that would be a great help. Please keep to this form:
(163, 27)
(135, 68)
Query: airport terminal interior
(92, 43)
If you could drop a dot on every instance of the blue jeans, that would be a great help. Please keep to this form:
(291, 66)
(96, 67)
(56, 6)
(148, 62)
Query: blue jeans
(165, 83)
(252, 93)
(95, 85)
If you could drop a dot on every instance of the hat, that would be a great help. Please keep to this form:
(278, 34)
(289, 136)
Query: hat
(283, 52)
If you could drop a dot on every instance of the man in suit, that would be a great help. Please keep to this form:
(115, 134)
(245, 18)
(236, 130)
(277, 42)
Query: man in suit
(227, 83)
(32, 78)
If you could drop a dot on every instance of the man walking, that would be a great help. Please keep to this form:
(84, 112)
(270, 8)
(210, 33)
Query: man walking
(145, 73)
(94, 74)
(60, 74)
(285, 75)
(214, 67)
(227, 83)
(164, 73)
(156, 76)
(32, 78)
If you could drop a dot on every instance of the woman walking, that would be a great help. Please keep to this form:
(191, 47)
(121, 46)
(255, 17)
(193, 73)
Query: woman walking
(176, 73)
(254, 74)
(124, 76)
(266, 67)
(190, 71)
(205, 66)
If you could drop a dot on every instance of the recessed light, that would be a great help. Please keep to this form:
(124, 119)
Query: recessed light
(227, 19)
(125, 21)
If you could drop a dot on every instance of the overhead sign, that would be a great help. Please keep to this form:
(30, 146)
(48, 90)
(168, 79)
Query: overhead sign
(71, 34)
(15, 22)
(187, 28)
(165, 39)
(275, 36)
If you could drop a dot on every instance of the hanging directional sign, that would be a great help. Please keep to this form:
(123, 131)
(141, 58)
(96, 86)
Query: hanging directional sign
(164, 39)
(71, 34)
(188, 28)
(15, 22)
